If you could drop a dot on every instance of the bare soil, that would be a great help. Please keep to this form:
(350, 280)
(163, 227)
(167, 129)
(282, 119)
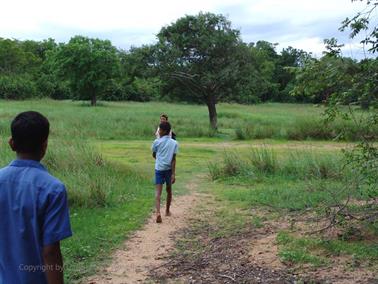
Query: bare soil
(250, 256)
(187, 248)
(147, 247)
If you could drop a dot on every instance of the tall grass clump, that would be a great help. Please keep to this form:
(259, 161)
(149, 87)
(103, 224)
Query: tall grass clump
(89, 179)
(263, 160)
(266, 162)
(230, 166)
(310, 129)
(306, 164)
(83, 171)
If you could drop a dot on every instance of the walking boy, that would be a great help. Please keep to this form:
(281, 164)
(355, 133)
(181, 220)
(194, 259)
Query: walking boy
(164, 151)
(34, 215)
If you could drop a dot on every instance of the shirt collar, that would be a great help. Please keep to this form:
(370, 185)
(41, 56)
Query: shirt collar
(27, 163)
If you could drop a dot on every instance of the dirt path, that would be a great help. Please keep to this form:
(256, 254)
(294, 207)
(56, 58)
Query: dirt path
(146, 249)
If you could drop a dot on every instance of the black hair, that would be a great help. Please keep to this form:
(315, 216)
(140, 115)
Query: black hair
(165, 126)
(29, 130)
(164, 115)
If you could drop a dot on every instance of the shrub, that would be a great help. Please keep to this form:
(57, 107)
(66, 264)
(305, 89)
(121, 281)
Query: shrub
(16, 87)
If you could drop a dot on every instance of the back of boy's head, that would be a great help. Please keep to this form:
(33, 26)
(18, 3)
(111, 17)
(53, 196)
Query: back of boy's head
(165, 126)
(30, 131)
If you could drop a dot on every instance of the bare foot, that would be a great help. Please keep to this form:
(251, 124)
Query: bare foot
(168, 213)
(158, 219)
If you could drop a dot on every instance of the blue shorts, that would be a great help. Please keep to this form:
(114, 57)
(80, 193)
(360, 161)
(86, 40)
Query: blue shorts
(162, 177)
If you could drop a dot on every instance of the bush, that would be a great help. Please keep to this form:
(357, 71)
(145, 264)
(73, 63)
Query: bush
(49, 86)
(146, 89)
(16, 87)
(115, 91)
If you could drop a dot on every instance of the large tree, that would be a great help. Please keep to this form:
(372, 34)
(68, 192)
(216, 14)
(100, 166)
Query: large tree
(89, 65)
(198, 53)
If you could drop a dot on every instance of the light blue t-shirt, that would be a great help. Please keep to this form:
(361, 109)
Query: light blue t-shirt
(164, 147)
(33, 214)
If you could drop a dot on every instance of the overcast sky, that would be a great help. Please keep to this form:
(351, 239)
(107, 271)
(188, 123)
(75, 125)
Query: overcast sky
(298, 23)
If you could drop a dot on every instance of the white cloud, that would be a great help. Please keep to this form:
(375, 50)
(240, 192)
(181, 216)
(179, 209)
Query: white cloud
(303, 23)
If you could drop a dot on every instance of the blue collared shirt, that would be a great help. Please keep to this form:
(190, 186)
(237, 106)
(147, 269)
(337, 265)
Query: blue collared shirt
(164, 148)
(33, 214)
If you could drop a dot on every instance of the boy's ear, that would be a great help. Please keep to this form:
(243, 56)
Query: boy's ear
(44, 147)
(11, 144)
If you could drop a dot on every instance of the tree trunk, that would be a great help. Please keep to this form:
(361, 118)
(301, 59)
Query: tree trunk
(211, 101)
(93, 100)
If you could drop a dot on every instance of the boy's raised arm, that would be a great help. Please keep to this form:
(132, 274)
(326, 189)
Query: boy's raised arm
(154, 148)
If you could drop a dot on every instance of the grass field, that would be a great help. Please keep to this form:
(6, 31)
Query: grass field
(103, 156)
(130, 121)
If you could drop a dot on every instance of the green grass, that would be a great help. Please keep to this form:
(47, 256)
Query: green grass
(288, 181)
(294, 250)
(103, 156)
(108, 201)
(315, 251)
(98, 231)
(131, 120)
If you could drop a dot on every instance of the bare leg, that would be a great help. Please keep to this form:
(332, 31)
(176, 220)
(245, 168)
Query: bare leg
(169, 200)
(159, 188)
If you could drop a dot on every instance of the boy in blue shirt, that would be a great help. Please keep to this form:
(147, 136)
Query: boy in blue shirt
(164, 150)
(34, 215)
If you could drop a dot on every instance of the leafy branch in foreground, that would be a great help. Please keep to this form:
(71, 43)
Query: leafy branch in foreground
(362, 160)
(364, 21)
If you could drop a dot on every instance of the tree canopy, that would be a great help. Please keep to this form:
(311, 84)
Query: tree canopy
(88, 64)
(198, 53)
(199, 59)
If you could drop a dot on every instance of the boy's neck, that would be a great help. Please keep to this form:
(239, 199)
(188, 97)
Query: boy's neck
(25, 156)
(165, 133)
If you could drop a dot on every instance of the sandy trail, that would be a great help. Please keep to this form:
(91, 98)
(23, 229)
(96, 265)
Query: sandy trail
(145, 249)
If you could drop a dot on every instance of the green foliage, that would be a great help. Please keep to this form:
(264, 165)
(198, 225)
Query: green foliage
(361, 22)
(17, 87)
(15, 58)
(198, 59)
(88, 64)
(146, 89)
(196, 53)
(139, 68)
(319, 79)
(363, 158)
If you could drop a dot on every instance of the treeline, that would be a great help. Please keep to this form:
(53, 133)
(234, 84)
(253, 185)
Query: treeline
(194, 58)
